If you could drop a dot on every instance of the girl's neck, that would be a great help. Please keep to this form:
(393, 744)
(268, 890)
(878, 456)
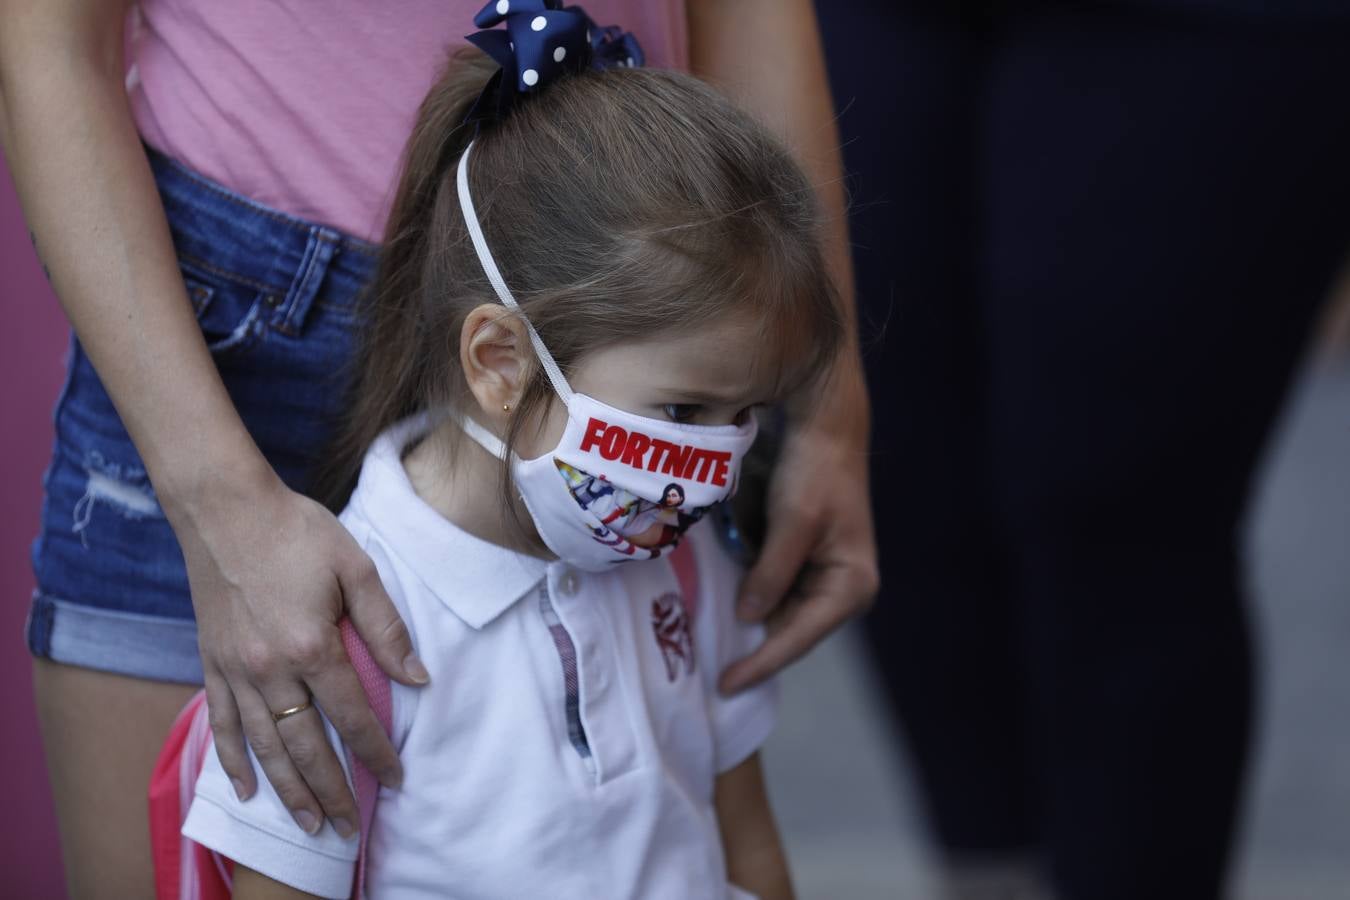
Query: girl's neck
(462, 482)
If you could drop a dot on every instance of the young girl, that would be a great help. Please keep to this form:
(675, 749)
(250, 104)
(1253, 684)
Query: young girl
(595, 282)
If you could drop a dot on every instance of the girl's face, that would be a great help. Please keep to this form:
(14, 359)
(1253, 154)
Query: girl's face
(709, 376)
(673, 498)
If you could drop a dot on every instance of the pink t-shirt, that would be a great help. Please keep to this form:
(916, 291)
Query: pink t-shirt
(305, 106)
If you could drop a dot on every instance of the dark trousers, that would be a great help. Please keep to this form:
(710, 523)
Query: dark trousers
(1090, 245)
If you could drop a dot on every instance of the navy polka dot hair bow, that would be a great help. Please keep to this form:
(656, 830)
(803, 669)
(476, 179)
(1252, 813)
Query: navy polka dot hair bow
(542, 41)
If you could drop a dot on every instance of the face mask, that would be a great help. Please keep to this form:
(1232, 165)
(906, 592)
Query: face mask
(618, 487)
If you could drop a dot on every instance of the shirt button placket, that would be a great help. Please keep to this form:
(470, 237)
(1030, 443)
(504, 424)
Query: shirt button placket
(569, 585)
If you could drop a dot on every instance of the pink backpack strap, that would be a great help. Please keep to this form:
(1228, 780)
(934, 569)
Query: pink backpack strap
(685, 564)
(366, 786)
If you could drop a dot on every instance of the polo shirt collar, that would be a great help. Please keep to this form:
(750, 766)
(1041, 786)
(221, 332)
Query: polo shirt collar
(476, 579)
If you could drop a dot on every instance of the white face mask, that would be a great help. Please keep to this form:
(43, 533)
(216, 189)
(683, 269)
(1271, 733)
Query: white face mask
(618, 486)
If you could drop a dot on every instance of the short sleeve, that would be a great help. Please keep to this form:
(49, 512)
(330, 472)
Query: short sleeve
(260, 833)
(741, 722)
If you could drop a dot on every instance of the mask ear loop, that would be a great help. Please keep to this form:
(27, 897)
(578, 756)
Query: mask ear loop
(482, 437)
(480, 246)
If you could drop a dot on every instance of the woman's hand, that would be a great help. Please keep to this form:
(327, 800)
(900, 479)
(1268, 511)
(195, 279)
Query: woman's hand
(818, 566)
(272, 574)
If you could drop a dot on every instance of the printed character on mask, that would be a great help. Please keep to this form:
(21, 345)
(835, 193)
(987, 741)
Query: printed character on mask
(641, 522)
(658, 524)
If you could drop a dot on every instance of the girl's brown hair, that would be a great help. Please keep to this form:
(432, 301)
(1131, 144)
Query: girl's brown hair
(620, 205)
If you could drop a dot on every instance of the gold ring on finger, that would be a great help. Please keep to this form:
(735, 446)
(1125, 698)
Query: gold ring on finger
(287, 713)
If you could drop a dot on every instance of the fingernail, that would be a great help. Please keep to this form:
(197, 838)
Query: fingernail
(392, 778)
(344, 828)
(239, 790)
(751, 604)
(416, 671)
(305, 819)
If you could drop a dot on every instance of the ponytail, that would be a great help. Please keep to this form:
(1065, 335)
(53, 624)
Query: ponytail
(389, 382)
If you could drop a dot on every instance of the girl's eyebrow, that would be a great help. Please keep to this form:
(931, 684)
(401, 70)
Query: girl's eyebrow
(687, 395)
(709, 397)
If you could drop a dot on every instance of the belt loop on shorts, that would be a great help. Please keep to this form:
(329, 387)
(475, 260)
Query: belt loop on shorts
(319, 250)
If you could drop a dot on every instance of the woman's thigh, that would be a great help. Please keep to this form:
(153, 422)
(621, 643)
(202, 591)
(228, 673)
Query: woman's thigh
(101, 734)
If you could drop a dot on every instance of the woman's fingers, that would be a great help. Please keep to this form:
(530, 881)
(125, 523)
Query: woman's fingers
(273, 754)
(337, 690)
(820, 550)
(314, 656)
(378, 622)
(313, 757)
(228, 733)
(788, 543)
(798, 624)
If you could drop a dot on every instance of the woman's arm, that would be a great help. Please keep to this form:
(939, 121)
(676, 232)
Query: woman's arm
(755, 858)
(820, 547)
(271, 572)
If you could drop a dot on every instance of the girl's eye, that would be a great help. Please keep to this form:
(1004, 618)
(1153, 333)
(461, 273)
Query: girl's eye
(681, 412)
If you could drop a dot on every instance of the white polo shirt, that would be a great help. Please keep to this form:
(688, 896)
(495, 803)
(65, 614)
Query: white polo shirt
(567, 744)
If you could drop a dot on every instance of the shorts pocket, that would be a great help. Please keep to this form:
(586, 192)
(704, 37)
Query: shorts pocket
(229, 310)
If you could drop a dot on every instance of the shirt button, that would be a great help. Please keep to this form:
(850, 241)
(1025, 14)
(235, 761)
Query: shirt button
(569, 583)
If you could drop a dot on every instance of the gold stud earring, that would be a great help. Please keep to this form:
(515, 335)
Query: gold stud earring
(506, 407)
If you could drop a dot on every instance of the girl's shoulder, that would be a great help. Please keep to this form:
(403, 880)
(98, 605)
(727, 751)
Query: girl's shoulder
(427, 564)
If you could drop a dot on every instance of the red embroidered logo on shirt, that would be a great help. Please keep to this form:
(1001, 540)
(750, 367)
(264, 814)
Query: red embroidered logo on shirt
(670, 624)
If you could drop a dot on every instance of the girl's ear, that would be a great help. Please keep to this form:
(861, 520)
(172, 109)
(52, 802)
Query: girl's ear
(494, 351)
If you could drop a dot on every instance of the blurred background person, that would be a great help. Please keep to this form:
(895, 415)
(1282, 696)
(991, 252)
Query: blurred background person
(1091, 239)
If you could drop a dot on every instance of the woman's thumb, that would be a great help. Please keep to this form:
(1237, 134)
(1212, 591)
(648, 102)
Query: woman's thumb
(377, 621)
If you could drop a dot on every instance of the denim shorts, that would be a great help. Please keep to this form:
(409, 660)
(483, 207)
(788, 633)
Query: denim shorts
(276, 299)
